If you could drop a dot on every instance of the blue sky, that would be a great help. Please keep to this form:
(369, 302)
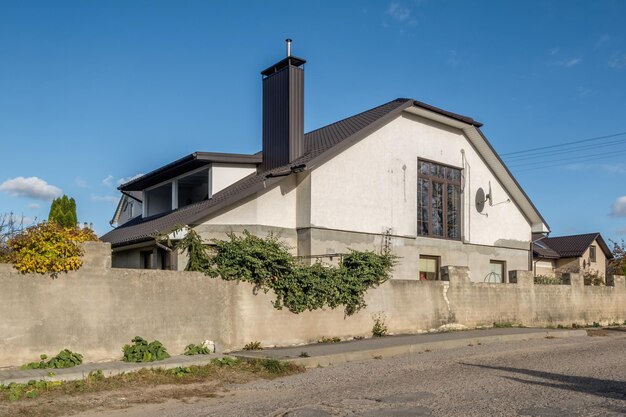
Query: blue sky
(94, 92)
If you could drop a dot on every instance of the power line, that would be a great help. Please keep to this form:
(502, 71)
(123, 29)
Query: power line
(564, 144)
(535, 168)
(549, 153)
(568, 158)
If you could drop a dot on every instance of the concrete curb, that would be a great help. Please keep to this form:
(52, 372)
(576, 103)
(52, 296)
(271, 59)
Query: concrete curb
(388, 352)
(80, 372)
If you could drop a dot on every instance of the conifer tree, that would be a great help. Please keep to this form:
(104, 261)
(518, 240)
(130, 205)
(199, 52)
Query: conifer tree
(63, 212)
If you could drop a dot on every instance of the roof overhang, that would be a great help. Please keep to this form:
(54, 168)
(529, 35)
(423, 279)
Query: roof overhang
(188, 163)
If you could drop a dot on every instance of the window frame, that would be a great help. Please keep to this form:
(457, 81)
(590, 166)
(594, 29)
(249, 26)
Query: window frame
(592, 254)
(445, 182)
(504, 272)
(437, 260)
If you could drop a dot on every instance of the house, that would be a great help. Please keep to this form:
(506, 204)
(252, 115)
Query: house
(553, 256)
(129, 207)
(406, 174)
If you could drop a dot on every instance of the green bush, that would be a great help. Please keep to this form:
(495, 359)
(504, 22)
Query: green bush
(547, 280)
(267, 263)
(191, 350)
(65, 359)
(142, 351)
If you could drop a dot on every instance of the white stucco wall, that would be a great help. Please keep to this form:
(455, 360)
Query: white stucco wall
(274, 207)
(223, 175)
(373, 185)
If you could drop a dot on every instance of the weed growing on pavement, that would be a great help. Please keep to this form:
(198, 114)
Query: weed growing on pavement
(225, 370)
(65, 359)
(380, 327)
(192, 350)
(325, 339)
(253, 346)
(304, 354)
(142, 351)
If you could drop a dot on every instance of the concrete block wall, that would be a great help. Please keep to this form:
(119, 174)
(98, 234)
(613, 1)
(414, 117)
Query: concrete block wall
(98, 309)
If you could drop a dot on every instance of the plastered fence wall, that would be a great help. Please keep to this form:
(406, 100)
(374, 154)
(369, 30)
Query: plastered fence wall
(97, 309)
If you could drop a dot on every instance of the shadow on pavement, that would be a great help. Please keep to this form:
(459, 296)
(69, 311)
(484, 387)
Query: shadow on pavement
(604, 388)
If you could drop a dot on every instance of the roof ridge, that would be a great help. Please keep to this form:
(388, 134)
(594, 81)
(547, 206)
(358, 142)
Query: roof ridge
(576, 235)
(399, 100)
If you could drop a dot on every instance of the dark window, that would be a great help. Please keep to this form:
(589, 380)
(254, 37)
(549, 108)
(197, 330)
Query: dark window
(438, 201)
(592, 253)
(429, 268)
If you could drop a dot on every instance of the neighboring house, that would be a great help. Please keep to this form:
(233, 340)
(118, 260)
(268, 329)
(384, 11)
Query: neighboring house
(553, 256)
(128, 208)
(422, 179)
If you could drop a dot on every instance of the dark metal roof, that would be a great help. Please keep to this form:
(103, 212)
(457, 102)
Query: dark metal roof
(572, 246)
(541, 250)
(186, 164)
(459, 117)
(319, 144)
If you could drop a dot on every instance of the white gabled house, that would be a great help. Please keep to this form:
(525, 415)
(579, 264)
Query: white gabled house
(423, 179)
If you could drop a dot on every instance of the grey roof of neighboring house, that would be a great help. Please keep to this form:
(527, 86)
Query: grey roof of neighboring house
(572, 246)
(318, 143)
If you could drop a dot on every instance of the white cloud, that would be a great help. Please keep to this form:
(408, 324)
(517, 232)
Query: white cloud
(619, 207)
(567, 63)
(618, 61)
(621, 231)
(31, 187)
(108, 198)
(570, 63)
(399, 12)
(125, 180)
(33, 206)
(554, 50)
(81, 182)
(108, 181)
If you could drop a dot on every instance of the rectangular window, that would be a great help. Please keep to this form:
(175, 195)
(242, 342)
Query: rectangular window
(438, 201)
(592, 253)
(429, 268)
(497, 272)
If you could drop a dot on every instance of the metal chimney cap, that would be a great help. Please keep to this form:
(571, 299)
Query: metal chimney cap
(288, 46)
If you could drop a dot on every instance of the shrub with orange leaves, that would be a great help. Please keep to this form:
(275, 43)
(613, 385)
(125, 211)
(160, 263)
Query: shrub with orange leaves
(49, 248)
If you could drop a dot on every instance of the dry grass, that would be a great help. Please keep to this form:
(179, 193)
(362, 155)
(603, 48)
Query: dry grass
(54, 399)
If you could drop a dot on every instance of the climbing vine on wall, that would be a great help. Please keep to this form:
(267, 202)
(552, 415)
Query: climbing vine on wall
(267, 263)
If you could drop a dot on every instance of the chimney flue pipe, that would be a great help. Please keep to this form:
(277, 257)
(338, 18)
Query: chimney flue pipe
(288, 47)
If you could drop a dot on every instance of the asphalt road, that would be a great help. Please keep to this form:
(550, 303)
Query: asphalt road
(582, 376)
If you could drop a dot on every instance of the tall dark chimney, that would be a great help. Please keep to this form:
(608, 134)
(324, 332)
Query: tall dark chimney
(283, 111)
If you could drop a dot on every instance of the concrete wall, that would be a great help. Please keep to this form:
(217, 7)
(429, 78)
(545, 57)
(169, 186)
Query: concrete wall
(98, 309)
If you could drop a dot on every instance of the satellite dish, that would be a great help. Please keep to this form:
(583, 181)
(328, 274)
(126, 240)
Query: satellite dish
(480, 200)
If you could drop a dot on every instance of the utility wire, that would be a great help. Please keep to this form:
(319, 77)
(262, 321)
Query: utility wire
(571, 158)
(527, 169)
(567, 158)
(550, 153)
(564, 144)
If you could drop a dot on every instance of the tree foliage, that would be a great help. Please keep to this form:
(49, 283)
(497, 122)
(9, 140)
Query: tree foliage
(267, 263)
(63, 212)
(48, 248)
(617, 265)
